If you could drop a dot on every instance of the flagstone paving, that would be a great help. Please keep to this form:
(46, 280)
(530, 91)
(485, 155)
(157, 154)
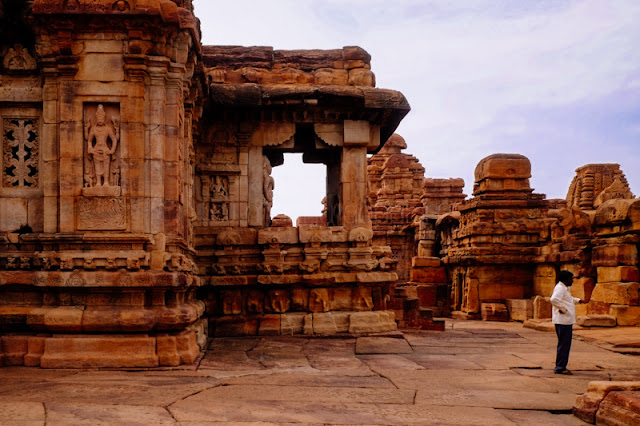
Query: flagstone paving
(472, 373)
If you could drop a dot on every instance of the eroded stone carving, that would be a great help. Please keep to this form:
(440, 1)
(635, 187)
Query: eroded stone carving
(278, 301)
(18, 59)
(231, 302)
(101, 213)
(319, 300)
(215, 195)
(21, 152)
(102, 135)
(268, 185)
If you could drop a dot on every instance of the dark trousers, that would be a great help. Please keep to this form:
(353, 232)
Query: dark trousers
(565, 334)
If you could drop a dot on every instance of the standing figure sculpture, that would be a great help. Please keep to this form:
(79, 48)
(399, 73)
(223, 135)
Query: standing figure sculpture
(101, 153)
(268, 185)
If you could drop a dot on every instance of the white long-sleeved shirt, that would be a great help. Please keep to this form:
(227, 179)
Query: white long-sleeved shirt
(562, 299)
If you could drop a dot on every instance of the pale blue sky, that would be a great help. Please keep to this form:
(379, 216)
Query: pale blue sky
(557, 81)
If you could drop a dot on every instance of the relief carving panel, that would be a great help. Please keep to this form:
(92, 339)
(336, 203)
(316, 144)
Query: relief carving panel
(102, 213)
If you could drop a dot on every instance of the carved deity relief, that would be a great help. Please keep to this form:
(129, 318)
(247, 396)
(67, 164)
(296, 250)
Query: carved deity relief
(215, 195)
(18, 58)
(20, 149)
(101, 135)
(268, 185)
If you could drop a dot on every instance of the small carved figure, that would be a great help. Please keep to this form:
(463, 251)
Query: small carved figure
(279, 301)
(19, 59)
(100, 152)
(232, 302)
(268, 186)
(255, 302)
(220, 187)
(319, 300)
(361, 299)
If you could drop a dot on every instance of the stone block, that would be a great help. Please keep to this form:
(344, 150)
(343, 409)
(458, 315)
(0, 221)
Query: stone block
(583, 288)
(188, 348)
(357, 132)
(615, 255)
(598, 308)
(619, 408)
(541, 307)
(587, 404)
(494, 312)
(270, 325)
(13, 212)
(324, 323)
(626, 315)
(596, 321)
(429, 275)
(292, 323)
(342, 321)
(617, 293)
(607, 274)
(418, 262)
(235, 325)
(64, 318)
(15, 348)
(341, 300)
(167, 350)
(101, 67)
(520, 309)
(35, 351)
(427, 295)
(99, 351)
(582, 309)
(307, 326)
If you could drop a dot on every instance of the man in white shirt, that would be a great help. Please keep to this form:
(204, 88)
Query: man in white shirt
(563, 317)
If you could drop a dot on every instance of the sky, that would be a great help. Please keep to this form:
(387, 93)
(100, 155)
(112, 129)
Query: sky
(555, 80)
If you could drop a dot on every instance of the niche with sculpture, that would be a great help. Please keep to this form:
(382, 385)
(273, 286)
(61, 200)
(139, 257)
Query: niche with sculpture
(102, 206)
(215, 196)
(101, 135)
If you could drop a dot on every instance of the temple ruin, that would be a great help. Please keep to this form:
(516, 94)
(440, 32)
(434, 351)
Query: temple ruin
(136, 197)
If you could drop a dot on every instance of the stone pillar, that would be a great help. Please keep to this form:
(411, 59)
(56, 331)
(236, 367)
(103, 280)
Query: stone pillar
(156, 152)
(353, 172)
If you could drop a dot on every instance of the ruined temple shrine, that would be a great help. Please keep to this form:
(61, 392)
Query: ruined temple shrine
(137, 189)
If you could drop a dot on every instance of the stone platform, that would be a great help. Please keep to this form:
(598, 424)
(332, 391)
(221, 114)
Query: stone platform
(472, 373)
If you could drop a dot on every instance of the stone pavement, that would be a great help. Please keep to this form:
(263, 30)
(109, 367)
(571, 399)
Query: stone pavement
(472, 373)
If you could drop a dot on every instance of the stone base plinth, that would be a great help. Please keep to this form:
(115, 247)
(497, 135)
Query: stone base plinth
(319, 323)
(101, 350)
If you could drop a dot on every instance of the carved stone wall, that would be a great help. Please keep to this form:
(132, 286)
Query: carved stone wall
(96, 199)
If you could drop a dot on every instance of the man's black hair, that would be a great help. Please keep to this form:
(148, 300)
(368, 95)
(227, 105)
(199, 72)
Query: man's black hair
(565, 276)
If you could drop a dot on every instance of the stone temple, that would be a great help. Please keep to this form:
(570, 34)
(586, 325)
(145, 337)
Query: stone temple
(136, 195)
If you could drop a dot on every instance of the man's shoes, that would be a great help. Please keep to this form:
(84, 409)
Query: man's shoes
(565, 372)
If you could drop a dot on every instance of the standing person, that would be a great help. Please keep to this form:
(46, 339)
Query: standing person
(563, 317)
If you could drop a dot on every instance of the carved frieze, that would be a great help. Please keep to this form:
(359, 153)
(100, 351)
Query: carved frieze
(20, 148)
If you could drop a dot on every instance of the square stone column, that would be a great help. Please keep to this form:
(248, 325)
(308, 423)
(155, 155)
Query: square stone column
(353, 172)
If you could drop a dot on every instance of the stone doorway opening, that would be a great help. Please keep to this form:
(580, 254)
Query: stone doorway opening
(299, 190)
(307, 154)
